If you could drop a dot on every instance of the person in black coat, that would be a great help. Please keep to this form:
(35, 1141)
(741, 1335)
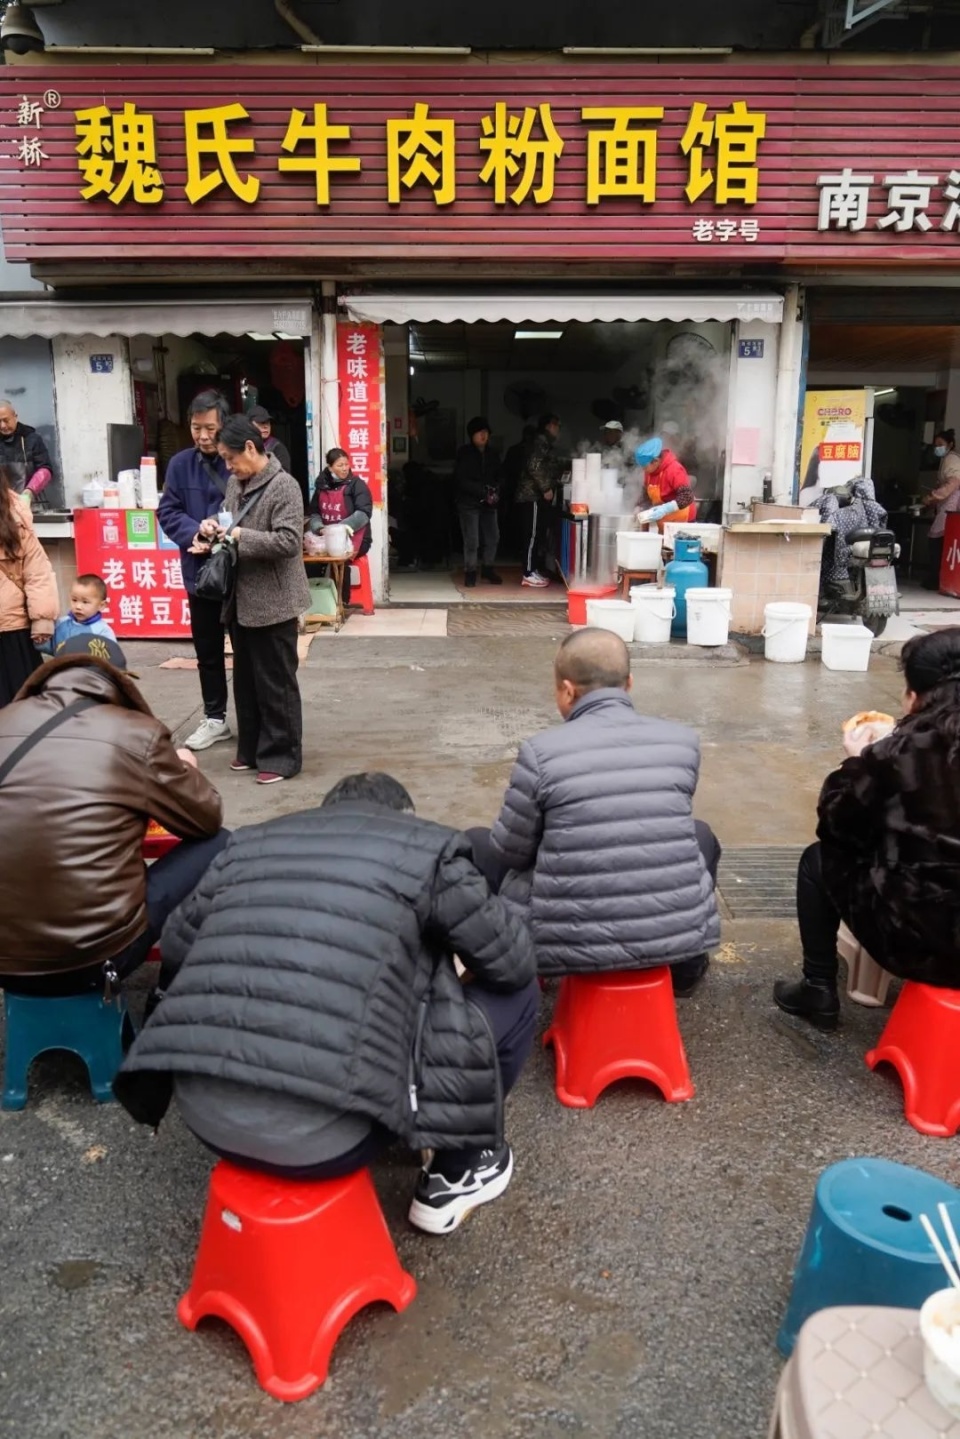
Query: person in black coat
(477, 477)
(312, 1007)
(23, 453)
(341, 498)
(888, 859)
(262, 418)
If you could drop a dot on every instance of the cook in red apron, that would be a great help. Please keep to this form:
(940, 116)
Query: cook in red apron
(341, 497)
(666, 480)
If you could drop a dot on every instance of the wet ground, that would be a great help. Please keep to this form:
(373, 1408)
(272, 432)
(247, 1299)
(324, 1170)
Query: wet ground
(631, 1281)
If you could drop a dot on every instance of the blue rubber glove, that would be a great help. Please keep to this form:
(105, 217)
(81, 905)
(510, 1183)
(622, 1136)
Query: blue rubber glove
(659, 512)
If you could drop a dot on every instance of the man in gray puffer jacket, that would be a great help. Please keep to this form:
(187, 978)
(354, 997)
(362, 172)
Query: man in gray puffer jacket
(313, 1011)
(598, 828)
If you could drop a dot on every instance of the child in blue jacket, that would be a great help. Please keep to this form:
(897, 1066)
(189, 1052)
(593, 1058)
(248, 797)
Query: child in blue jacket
(87, 596)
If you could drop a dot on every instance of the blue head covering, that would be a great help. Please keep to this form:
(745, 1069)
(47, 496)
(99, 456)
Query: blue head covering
(649, 451)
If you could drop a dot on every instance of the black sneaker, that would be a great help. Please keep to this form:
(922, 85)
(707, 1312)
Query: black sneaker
(470, 579)
(491, 576)
(442, 1201)
(818, 1004)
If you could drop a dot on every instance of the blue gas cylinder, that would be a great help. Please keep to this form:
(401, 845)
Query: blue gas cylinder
(686, 571)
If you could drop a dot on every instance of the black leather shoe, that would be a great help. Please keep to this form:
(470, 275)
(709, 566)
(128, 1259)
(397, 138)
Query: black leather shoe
(687, 975)
(818, 1004)
(491, 576)
(470, 580)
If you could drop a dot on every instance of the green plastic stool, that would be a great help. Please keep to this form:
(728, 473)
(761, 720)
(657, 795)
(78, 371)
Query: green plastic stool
(80, 1023)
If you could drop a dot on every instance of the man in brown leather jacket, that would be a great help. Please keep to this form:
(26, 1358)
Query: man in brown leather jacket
(84, 767)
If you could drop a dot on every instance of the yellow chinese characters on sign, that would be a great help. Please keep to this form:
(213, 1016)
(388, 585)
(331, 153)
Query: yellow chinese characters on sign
(515, 150)
(622, 157)
(736, 134)
(205, 134)
(507, 141)
(117, 155)
(420, 142)
(321, 163)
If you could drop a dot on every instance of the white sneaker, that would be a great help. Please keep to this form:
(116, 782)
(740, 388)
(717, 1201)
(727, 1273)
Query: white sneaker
(535, 581)
(208, 732)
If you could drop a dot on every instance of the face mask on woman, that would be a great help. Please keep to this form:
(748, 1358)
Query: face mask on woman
(939, 451)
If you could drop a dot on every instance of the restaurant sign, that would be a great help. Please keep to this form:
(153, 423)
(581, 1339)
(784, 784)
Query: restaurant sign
(140, 568)
(577, 162)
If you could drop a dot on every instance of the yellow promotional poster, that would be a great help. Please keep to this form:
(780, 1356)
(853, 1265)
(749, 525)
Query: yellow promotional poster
(832, 444)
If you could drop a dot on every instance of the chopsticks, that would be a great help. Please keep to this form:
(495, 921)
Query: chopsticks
(952, 1274)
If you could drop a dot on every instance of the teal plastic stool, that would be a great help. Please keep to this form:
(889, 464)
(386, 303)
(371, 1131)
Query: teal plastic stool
(80, 1023)
(865, 1243)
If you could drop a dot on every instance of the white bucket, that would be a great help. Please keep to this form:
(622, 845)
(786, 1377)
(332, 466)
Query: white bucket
(785, 627)
(846, 647)
(614, 615)
(338, 541)
(708, 616)
(653, 611)
(638, 551)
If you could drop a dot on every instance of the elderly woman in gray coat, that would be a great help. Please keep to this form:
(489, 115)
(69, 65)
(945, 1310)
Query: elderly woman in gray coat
(270, 595)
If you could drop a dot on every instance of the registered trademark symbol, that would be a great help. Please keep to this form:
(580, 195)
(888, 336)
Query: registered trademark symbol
(51, 99)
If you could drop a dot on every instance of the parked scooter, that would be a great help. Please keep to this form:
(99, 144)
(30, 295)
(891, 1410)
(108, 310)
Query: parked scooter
(857, 574)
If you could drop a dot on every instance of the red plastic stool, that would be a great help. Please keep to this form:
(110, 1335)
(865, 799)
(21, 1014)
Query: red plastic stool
(922, 1042)
(157, 841)
(617, 1026)
(288, 1263)
(362, 592)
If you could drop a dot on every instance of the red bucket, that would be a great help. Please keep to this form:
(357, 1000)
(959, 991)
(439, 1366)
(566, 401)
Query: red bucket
(577, 600)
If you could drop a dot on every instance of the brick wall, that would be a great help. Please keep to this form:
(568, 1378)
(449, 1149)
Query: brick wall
(769, 566)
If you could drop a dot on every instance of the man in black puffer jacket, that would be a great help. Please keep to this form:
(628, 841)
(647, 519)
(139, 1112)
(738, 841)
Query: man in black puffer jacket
(312, 1009)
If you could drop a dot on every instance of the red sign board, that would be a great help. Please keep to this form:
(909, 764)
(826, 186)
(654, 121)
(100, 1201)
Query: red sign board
(360, 367)
(585, 161)
(146, 599)
(950, 564)
(843, 450)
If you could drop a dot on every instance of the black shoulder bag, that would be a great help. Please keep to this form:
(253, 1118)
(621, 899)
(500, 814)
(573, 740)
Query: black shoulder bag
(214, 473)
(218, 573)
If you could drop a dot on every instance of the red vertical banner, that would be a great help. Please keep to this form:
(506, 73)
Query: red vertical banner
(360, 369)
(950, 564)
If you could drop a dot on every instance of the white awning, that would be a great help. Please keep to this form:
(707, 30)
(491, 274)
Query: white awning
(467, 307)
(49, 318)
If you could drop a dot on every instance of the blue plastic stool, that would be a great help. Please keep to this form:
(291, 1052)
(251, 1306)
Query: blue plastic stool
(865, 1243)
(80, 1023)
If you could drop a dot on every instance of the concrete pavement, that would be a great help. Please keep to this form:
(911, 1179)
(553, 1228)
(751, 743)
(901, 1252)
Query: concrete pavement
(631, 1281)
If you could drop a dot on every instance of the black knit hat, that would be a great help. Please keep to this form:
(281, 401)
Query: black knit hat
(478, 423)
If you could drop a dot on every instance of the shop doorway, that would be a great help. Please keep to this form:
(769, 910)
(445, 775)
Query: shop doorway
(248, 370)
(649, 377)
(905, 371)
